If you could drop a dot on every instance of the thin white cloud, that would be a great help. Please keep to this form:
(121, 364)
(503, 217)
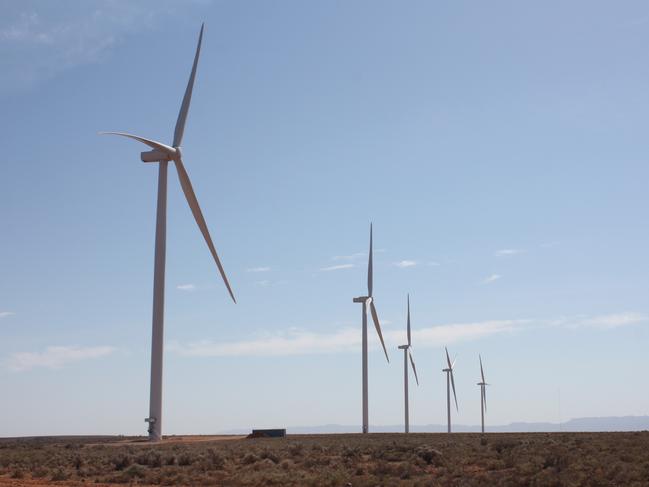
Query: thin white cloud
(292, 342)
(491, 278)
(186, 287)
(433, 264)
(56, 357)
(437, 336)
(608, 321)
(54, 42)
(548, 245)
(355, 256)
(337, 267)
(258, 269)
(506, 252)
(301, 342)
(4, 314)
(406, 263)
(264, 283)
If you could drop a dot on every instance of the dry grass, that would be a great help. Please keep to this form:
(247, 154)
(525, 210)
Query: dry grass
(557, 459)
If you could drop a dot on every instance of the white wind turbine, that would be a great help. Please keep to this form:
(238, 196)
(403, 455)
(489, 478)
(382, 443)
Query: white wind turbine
(163, 154)
(368, 301)
(483, 394)
(407, 353)
(450, 382)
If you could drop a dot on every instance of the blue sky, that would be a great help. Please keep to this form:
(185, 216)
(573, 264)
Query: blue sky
(499, 148)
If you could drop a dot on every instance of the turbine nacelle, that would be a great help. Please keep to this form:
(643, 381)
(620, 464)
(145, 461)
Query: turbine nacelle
(173, 154)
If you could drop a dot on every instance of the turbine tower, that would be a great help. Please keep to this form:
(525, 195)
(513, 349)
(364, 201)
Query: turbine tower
(450, 382)
(368, 301)
(163, 154)
(483, 394)
(407, 352)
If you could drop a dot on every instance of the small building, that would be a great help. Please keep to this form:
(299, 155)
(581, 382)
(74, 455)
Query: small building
(268, 433)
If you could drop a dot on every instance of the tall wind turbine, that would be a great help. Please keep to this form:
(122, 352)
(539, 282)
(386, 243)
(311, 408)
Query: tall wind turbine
(368, 301)
(483, 394)
(450, 382)
(407, 353)
(163, 154)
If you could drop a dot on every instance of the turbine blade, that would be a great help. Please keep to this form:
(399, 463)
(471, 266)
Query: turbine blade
(184, 108)
(370, 277)
(414, 369)
(454, 360)
(453, 385)
(198, 216)
(409, 338)
(151, 143)
(375, 318)
(448, 359)
(481, 371)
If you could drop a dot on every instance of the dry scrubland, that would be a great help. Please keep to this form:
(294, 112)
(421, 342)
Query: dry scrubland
(593, 459)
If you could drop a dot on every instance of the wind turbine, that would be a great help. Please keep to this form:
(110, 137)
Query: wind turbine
(163, 154)
(407, 352)
(449, 383)
(368, 301)
(483, 394)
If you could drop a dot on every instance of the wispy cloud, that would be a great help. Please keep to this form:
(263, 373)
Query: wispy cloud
(491, 278)
(337, 267)
(548, 245)
(4, 314)
(608, 321)
(186, 287)
(301, 342)
(355, 256)
(258, 269)
(54, 42)
(405, 263)
(264, 283)
(506, 252)
(433, 264)
(56, 357)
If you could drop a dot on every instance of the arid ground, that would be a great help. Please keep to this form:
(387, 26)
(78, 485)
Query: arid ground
(534, 459)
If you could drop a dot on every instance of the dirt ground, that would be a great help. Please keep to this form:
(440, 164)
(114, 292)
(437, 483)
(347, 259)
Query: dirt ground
(420, 459)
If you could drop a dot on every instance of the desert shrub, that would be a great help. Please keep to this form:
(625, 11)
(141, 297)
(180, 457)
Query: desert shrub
(249, 458)
(60, 475)
(216, 460)
(135, 472)
(295, 449)
(430, 455)
(557, 461)
(185, 459)
(170, 460)
(381, 468)
(350, 452)
(269, 455)
(505, 445)
(150, 458)
(39, 472)
(122, 461)
(264, 464)
(17, 474)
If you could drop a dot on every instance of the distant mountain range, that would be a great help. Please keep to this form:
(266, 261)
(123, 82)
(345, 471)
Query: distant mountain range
(612, 423)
